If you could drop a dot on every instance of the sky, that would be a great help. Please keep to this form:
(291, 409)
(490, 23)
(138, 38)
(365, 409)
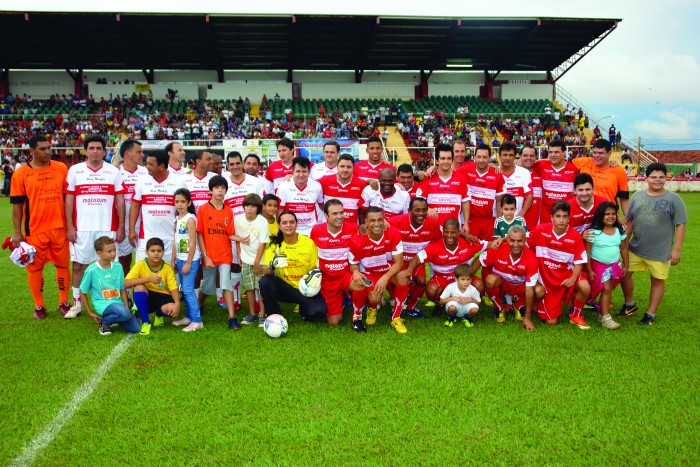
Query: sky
(645, 75)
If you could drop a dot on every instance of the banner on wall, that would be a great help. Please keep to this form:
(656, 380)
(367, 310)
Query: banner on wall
(143, 88)
(313, 148)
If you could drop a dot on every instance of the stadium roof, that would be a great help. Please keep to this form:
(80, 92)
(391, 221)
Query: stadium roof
(292, 42)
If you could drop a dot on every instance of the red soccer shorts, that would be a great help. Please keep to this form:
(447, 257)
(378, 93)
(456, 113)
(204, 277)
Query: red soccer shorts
(332, 289)
(552, 304)
(482, 227)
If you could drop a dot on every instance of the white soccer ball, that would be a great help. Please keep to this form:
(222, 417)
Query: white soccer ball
(276, 326)
(305, 288)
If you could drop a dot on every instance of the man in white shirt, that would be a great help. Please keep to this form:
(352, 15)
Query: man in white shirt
(176, 159)
(331, 149)
(302, 196)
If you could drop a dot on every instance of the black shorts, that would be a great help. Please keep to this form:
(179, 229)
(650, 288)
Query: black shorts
(156, 300)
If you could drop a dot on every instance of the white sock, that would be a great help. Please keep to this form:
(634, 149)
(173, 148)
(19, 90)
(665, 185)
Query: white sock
(219, 293)
(236, 278)
(196, 292)
(76, 297)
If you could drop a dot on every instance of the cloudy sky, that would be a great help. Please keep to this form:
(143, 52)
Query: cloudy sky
(646, 73)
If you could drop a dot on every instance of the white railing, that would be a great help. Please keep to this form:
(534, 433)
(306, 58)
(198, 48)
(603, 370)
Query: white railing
(564, 97)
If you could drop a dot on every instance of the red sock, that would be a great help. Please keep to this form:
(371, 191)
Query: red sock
(359, 298)
(576, 308)
(400, 294)
(495, 296)
(416, 293)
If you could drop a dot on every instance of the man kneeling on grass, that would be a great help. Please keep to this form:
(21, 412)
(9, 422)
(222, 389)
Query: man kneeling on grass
(104, 279)
(154, 286)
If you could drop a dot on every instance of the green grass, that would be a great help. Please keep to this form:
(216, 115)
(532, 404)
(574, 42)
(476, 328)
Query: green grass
(493, 394)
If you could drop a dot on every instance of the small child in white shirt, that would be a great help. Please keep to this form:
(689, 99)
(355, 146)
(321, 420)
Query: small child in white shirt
(460, 298)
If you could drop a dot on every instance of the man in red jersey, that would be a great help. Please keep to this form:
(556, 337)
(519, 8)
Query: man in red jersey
(513, 271)
(417, 231)
(584, 203)
(444, 255)
(406, 181)
(557, 178)
(277, 171)
(345, 188)
(446, 191)
(369, 169)
(485, 190)
(332, 238)
(528, 157)
(377, 258)
(561, 255)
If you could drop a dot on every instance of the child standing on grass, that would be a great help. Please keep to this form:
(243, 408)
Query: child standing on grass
(270, 205)
(186, 258)
(605, 271)
(254, 226)
(104, 279)
(507, 220)
(460, 298)
(154, 286)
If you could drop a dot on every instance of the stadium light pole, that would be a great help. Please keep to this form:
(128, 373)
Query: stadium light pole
(600, 122)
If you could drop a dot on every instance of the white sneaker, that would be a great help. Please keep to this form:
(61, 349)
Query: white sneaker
(182, 322)
(193, 327)
(74, 312)
(609, 323)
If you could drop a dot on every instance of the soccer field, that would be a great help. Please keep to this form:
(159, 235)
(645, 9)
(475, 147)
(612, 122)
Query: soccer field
(492, 394)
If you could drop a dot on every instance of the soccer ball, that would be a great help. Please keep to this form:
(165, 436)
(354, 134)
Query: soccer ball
(276, 326)
(310, 283)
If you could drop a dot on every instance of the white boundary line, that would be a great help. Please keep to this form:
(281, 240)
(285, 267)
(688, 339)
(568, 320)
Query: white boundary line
(47, 435)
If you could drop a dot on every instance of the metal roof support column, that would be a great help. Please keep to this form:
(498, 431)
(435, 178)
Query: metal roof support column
(4, 83)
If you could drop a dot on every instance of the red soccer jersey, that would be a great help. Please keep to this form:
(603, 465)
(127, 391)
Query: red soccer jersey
(333, 249)
(557, 185)
(413, 192)
(532, 216)
(482, 191)
(415, 240)
(375, 257)
(365, 170)
(516, 273)
(443, 261)
(275, 174)
(445, 195)
(580, 218)
(556, 255)
(349, 195)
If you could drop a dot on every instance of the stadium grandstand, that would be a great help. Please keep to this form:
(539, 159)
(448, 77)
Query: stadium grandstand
(242, 81)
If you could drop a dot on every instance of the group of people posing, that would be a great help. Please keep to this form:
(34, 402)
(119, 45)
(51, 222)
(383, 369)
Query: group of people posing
(545, 234)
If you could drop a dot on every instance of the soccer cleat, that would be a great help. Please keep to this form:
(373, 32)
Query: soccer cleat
(592, 305)
(145, 329)
(40, 312)
(158, 321)
(579, 321)
(647, 320)
(518, 312)
(414, 313)
(250, 319)
(607, 322)
(233, 324)
(398, 325)
(429, 304)
(74, 312)
(371, 316)
(468, 321)
(296, 309)
(261, 322)
(501, 316)
(627, 310)
(64, 308)
(182, 322)
(450, 322)
(221, 301)
(104, 329)
(487, 300)
(192, 327)
(358, 325)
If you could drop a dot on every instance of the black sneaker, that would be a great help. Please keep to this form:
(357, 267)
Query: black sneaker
(647, 320)
(104, 329)
(628, 310)
(358, 325)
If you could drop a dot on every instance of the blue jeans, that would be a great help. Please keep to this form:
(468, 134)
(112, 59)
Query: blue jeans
(187, 280)
(118, 313)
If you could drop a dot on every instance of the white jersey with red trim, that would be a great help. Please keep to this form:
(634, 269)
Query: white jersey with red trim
(350, 195)
(518, 184)
(532, 216)
(333, 249)
(443, 261)
(445, 195)
(580, 218)
(556, 254)
(199, 188)
(524, 270)
(482, 190)
(415, 240)
(391, 206)
(181, 172)
(238, 190)
(557, 185)
(157, 205)
(304, 202)
(129, 180)
(321, 170)
(375, 257)
(275, 174)
(94, 206)
(364, 170)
